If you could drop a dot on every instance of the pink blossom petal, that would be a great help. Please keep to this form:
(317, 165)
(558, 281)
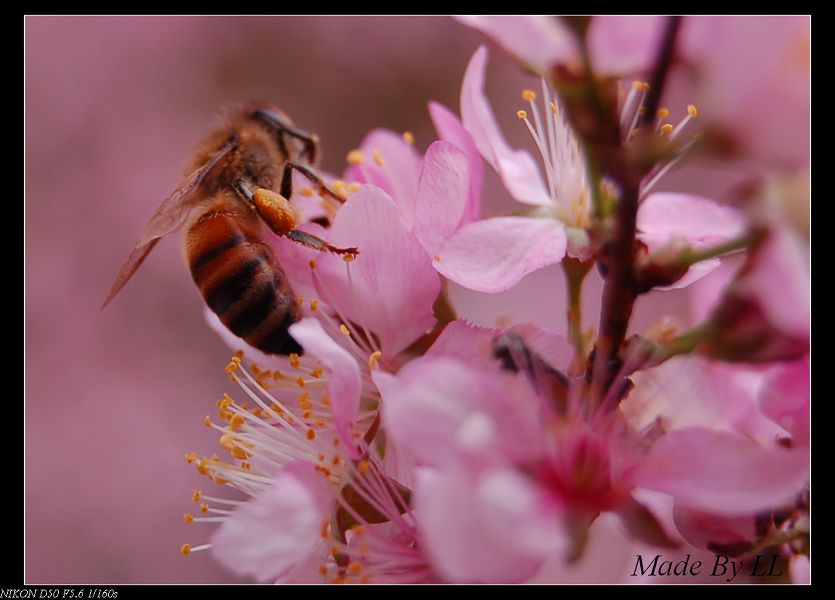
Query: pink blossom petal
(625, 44)
(608, 557)
(442, 196)
(391, 277)
(450, 129)
(700, 221)
(516, 168)
(689, 391)
(540, 41)
(270, 534)
(343, 375)
(492, 406)
(469, 343)
(481, 530)
(722, 472)
(778, 280)
(399, 173)
(494, 254)
(785, 397)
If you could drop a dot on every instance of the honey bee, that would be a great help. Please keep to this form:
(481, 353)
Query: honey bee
(238, 186)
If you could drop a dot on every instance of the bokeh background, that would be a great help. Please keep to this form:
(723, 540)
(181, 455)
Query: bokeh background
(114, 108)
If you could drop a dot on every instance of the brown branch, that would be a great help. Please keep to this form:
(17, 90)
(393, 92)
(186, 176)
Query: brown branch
(619, 293)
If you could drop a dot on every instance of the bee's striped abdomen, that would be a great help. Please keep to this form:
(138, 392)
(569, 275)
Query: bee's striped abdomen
(240, 280)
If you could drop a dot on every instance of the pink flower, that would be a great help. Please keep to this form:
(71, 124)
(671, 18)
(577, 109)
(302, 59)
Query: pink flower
(494, 254)
(535, 467)
(618, 45)
(322, 507)
(750, 74)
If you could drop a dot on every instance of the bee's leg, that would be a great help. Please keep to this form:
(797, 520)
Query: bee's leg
(310, 140)
(276, 213)
(311, 241)
(286, 188)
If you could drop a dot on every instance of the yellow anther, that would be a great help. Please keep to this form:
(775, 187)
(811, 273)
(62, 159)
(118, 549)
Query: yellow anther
(638, 85)
(233, 365)
(528, 95)
(188, 517)
(554, 108)
(294, 360)
(220, 480)
(363, 467)
(344, 329)
(191, 457)
(204, 508)
(663, 113)
(306, 414)
(666, 128)
(353, 187)
(319, 422)
(304, 399)
(307, 192)
(378, 158)
(355, 157)
(299, 300)
(227, 440)
(185, 549)
(196, 495)
(207, 421)
(277, 375)
(236, 421)
(246, 466)
(239, 354)
(437, 258)
(314, 305)
(522, 114)
(355, 567)
(300, 381)
(409, 137)
(692, 111)
(311, 435)
(238, 453)
(312, 264)
(225, 402)
(372, 360)
(317, 372)
(348, 257)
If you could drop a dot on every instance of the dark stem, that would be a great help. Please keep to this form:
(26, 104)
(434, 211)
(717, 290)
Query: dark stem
(619, 292)
(659, 75)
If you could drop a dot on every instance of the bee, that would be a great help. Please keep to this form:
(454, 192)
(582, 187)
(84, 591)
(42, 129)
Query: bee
(237, 189)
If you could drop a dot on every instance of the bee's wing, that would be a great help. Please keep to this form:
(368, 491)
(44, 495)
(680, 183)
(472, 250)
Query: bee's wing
(168, 219)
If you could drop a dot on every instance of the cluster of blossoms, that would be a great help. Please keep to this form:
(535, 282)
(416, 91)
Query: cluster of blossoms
(407, 445)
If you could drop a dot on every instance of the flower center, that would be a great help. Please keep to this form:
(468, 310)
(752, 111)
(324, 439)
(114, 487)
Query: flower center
(565, 169)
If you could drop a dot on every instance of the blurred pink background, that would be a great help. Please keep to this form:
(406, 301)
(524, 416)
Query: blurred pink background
(114, 108)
